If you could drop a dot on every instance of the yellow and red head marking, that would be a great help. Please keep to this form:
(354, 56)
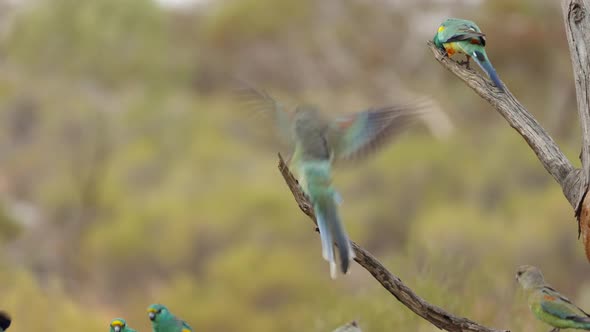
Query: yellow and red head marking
(117, 322)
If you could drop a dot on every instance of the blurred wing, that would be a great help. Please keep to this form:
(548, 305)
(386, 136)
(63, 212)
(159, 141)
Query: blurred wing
(558, 305)
(357, 135)
(261, 101)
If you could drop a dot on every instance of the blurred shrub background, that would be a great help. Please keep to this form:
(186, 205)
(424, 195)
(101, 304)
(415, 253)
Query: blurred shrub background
(128, 176)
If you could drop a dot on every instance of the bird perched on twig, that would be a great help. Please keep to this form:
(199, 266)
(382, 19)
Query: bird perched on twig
(318, 142)
(120, 325)
(548, 305)
(463, 36)
(164, 321)
(4, 321)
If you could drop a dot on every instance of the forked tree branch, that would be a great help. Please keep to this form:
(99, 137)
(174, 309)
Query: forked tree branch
(434, 314)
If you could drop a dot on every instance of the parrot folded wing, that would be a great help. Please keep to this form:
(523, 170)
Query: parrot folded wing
(357, 135)
(559, 306)
(468, 34)
(185, 326)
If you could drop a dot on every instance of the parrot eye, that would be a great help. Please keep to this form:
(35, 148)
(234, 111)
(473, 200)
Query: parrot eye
(519, 273)
(159, 311)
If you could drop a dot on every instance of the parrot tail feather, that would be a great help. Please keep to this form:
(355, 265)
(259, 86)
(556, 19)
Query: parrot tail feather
(332, 232)
(486, 65)
(327, 242)
(4, 321)
(581, 319)
(325, 237)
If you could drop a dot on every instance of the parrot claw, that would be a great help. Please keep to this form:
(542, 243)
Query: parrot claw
(556, 329)
(464, 63)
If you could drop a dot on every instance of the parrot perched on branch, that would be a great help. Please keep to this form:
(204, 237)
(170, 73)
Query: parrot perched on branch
(463, 36)
(548, 305)
(4, 321)
(318, 142)
(164, 321)
(120, 325)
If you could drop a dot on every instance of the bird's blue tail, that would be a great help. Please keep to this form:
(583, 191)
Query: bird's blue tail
(582, 322)
(485, 64)
(332, 232)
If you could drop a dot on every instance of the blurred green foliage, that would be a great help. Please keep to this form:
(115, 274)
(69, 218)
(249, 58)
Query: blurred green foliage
(128, 176)
(100, 39)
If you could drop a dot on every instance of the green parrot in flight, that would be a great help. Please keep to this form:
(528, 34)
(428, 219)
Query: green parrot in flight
(120, 325)
(4, 321)
(318, 142)
(463, 36)
(164, 321)
(350, 327)
(548, 305)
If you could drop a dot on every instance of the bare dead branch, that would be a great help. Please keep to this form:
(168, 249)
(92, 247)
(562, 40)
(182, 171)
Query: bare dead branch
(574, 182)
(571, 180)
(577, 26)
(434, 314)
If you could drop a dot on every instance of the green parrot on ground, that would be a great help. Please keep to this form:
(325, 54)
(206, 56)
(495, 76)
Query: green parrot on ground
(463, 36)
(4, 321)
(164, 321)
(548, 305)
(318, 142)
(120, 325)
(350, 327)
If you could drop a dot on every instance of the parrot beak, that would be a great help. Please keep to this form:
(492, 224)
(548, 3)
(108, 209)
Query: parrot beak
(152, 315)
(117, 328)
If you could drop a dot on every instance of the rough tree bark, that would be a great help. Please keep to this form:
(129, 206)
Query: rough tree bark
(577, 28)
(435, 315)
(573, 181)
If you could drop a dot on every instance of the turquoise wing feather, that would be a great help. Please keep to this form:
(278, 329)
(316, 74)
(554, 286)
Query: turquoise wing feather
(184, 326)
(557, 305)
(460, 30)
(357, 135)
